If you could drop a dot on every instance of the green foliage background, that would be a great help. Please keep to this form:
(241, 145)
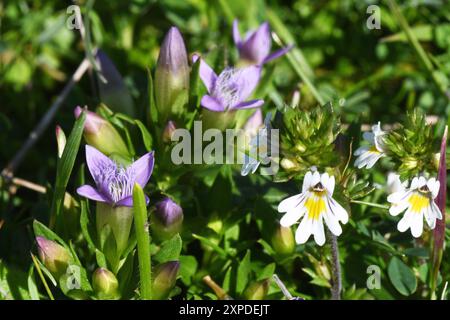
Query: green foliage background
(229, 220)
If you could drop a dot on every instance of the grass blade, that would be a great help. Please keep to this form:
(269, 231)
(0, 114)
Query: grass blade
(143, 242)
(65, 167)
(41, 275)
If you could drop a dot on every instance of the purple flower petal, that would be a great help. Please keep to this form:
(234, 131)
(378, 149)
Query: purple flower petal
(128, 201)
(89, 192)
(246, 80)
(257, 47)
(236, 35)
(278, 53)
(249, 104)
(142, 168)
(212, 104)
(207, 74)
(97, 162)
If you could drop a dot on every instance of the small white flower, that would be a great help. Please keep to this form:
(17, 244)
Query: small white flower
(369, 155)
(418, 201)
(315, 203)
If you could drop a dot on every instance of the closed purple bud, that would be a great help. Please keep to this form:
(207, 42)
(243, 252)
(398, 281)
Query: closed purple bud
(165, 276)
(105, 284)
(101, 134)
(171, 75)
(168, 131)
(55, 257)
(168, 219)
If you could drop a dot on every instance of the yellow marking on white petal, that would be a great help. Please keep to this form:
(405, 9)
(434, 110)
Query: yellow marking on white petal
(418, 202)
(315, 205)
(373, 149)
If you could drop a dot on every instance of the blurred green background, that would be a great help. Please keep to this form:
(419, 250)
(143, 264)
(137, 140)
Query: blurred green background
(375, 71)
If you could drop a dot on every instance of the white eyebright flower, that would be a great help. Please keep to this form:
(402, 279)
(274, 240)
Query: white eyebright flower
(369, 155)
(316, 204)
(418, 201)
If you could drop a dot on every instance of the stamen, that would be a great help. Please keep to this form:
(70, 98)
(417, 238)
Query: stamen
(116, 181)
(226, 89)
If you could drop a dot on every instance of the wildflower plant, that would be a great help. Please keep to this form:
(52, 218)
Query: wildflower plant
(121, 219)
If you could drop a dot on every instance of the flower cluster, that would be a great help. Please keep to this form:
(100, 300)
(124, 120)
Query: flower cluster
(409, 146)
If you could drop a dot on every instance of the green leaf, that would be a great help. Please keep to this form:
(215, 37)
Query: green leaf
(188, 268)
(101, 259)
(151, 99)
(243, 272)
(417, 252)
(146, 136)
(402, 277)
(32, 288)
(42, 231)
(108, 245)
(65, 167)
(267, 272)
(211, 244)
(170, 250)
(422, 33)
(143, 242)
(85, 225)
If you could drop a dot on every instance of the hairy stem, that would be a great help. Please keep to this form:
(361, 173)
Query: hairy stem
(336, 277)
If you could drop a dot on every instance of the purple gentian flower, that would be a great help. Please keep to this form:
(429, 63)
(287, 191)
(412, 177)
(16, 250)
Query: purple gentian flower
(230, 89)
(255, 48)
(114, 183)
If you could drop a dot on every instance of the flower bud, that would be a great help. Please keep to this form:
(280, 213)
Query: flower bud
(164, 278)
(410, 163)
(171, 75)
(289, 164)
(283, 241)
(101, 134)
(168, 131)
(218, 120)
(55, 257)
(257, 290)
(60, 140)
(119, 219)
(105, 284)
(168, 219)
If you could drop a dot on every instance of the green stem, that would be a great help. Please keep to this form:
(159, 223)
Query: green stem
(41, 275)
(143, 242)
(412, 39)
(376, 205)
